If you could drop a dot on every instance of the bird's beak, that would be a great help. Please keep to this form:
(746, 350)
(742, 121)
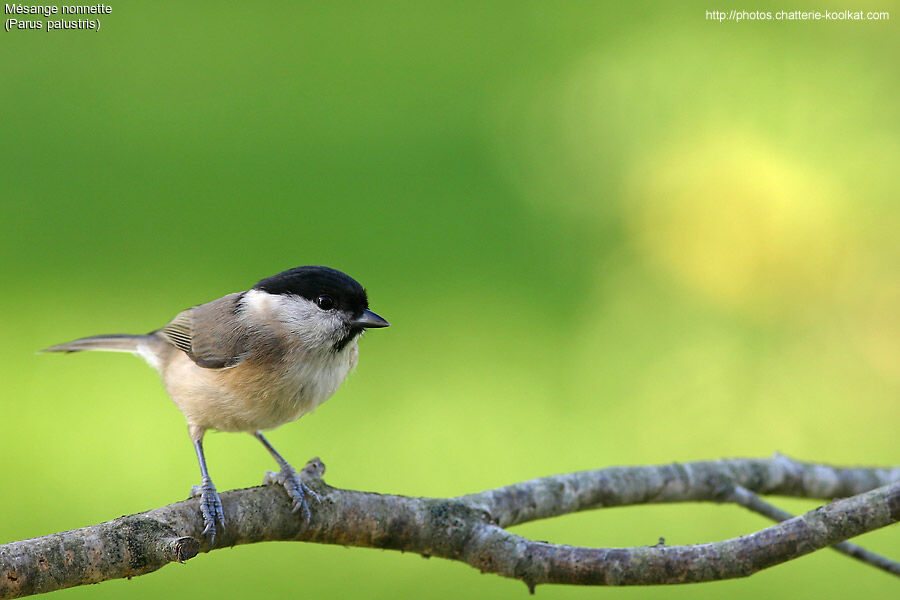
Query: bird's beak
(369, 320)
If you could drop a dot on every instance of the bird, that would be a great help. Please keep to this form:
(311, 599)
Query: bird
(252, 361)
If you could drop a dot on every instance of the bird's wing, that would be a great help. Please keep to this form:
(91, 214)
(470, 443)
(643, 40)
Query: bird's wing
(210, 334)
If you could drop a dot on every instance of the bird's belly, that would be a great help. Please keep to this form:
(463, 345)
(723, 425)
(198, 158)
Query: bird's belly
(247, 398)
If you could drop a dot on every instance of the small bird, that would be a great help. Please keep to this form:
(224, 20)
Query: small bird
(254, 360)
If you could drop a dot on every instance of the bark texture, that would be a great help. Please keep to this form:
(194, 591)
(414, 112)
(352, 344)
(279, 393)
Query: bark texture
(471, 528)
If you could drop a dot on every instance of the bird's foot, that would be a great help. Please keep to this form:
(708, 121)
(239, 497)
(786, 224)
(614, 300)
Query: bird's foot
(210, 508)
(298, 491)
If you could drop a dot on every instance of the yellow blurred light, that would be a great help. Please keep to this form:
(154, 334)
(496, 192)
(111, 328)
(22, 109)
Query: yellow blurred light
(740, 223)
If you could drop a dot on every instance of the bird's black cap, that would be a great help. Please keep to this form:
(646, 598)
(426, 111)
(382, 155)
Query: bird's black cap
(311, 282)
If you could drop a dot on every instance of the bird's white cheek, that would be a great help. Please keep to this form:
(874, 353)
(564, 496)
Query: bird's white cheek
(305, 326)
(259, 304)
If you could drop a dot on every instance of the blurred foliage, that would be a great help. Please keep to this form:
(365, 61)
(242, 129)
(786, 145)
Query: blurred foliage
(604, 234)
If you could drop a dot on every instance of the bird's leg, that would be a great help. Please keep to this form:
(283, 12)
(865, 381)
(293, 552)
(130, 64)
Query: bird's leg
(296, 489)
(210, 505)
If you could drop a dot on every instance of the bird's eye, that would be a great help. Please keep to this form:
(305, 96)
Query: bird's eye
(325, 302)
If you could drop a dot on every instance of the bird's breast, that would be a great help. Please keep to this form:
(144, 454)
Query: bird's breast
(296, 385)
(260, 394)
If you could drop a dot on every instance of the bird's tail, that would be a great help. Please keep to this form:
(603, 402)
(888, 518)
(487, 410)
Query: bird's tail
(115, 342)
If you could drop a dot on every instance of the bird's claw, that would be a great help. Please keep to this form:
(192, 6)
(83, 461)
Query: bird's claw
(297, 491)
(210, 508)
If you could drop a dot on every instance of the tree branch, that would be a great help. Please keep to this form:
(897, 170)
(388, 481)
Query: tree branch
(471, 528)
(751, 501)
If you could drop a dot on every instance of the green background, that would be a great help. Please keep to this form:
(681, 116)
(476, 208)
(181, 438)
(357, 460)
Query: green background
(604, 234)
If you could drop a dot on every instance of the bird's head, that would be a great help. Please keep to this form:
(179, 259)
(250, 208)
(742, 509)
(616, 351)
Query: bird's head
(324, 306)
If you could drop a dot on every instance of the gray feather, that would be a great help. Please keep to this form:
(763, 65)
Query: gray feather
(115, 342)
(210, 334)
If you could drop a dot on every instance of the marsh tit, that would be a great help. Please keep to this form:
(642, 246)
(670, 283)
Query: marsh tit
(254, 360)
